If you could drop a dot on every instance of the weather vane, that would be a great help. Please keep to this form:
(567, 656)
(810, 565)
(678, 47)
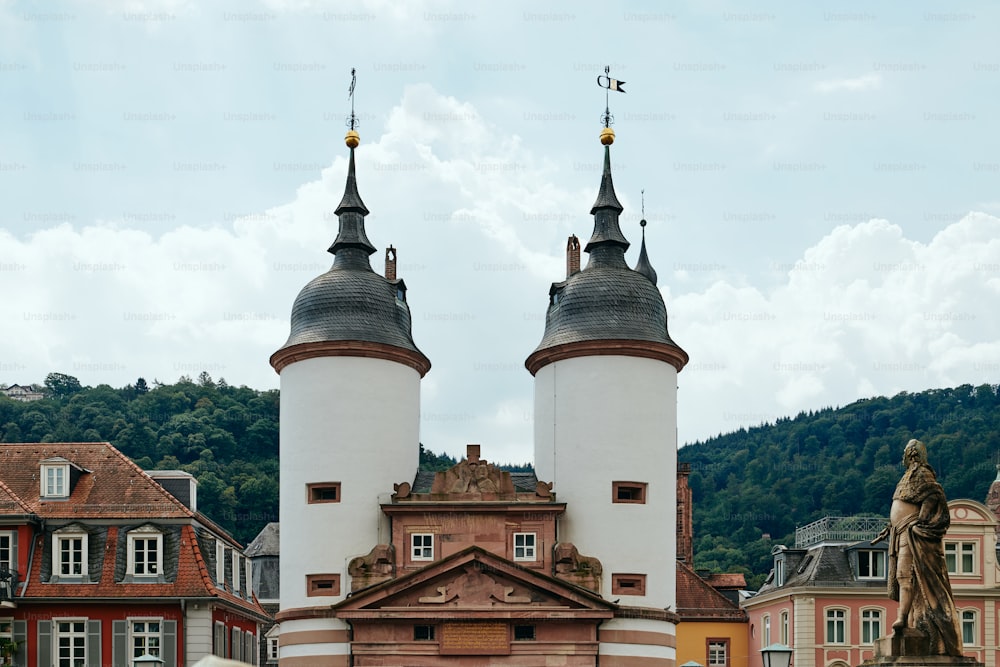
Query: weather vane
(352, 121)
(642, 222)
(605, 81)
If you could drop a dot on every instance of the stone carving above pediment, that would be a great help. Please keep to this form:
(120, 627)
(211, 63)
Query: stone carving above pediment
(373, 568)
(476, 588)
(581, 570)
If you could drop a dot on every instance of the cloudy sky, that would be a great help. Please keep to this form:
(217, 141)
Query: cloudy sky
(822, 185)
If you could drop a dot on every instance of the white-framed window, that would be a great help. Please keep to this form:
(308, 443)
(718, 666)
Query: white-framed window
(236, 571)
(7, 555)
(55, 480)
(784, 628)
(836, 626)
(718, 653)
(765, 636)
(779, 574)
(69, 554)
(248, 567)
(969, 633)
(272, 649)
(524, 546)
(960, 557)
(220, 565)
(70, 641)
(145, 636)
(145, 552)
(7, 629)
(871, 625)
(871, 564)
(422, 546)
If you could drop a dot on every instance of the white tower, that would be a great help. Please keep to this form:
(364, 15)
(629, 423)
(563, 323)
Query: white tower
(606, 430)
(350, 411)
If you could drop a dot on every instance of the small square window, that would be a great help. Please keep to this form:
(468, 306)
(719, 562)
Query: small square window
(322, 584)
(524, 633)
(628, 584)
(323, 492)
(628, 492)
(423, 633)
(524, 546)
(871, 564)
(145, 553)
(422, 546)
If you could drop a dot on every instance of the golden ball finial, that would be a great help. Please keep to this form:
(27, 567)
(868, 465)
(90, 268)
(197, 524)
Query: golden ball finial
(607, 136)
(352, 139)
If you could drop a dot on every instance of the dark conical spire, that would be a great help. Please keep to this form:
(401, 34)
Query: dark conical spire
(607, 245)
(351, 213)
(643, 266)
(606, 197)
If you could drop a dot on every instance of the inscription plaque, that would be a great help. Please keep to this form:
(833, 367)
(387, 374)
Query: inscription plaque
(475, 639)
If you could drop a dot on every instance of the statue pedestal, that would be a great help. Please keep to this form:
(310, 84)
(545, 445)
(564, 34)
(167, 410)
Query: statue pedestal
(910, 649)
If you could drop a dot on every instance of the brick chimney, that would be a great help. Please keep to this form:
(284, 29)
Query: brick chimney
(572, 255)
(390, 263)
(685, 518)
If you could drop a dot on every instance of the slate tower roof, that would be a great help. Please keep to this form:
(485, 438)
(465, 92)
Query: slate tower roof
(351, 310)
(607, 307)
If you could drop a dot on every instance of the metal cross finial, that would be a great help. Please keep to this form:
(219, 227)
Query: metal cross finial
(352, 120)
(642, 193)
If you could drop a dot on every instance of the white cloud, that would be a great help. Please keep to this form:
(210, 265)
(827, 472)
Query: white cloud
(480, 222)
(871, 81)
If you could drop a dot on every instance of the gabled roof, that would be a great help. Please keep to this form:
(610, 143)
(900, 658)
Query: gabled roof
(697, 600)
(471, 584)
(110, 486)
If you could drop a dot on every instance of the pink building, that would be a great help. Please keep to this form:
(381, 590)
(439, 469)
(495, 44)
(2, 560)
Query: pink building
(826, 598)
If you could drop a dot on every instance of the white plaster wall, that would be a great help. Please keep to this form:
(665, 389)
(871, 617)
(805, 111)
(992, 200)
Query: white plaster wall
(198, 629)
(350, 420)
(601, 419)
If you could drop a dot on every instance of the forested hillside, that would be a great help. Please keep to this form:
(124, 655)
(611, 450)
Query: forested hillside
(226, 436)
(753, 487)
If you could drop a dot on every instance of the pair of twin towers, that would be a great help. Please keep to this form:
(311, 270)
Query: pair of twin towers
(605, 415)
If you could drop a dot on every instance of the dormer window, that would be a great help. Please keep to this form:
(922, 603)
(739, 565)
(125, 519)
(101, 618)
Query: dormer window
(69, 554)
(779, 571)
(55, 480)
(871, 564)
(145, 552)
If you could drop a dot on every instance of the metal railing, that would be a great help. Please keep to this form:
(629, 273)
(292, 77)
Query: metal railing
(839, 529)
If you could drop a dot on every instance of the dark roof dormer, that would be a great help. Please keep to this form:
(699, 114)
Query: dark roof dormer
(58, 477)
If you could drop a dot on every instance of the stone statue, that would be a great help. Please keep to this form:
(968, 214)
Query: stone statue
(917, 574)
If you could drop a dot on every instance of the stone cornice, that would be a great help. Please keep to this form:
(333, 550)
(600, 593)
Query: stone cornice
(350, 348)
(645, 349)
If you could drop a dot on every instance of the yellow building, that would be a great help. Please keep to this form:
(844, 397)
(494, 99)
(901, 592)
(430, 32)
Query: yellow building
(713, 628)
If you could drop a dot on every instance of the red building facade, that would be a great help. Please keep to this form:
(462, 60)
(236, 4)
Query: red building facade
(100, 564)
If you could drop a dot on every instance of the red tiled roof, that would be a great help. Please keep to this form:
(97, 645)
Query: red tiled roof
(727, 580)
(696, 599)
(113, 487)
(9, 502)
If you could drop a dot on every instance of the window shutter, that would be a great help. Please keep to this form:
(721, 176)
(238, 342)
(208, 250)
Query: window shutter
(236, 650)
(21, 637)
(119, 642)
(44, 643)
(168, 647)
(93, 644)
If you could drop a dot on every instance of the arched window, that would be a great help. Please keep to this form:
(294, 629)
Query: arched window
(784, 629)
(765, 638)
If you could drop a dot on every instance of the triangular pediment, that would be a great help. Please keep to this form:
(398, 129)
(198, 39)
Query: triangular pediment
(473, 581)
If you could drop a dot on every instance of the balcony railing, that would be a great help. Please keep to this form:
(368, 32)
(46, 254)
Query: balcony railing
(8, 585)
(839, 529)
